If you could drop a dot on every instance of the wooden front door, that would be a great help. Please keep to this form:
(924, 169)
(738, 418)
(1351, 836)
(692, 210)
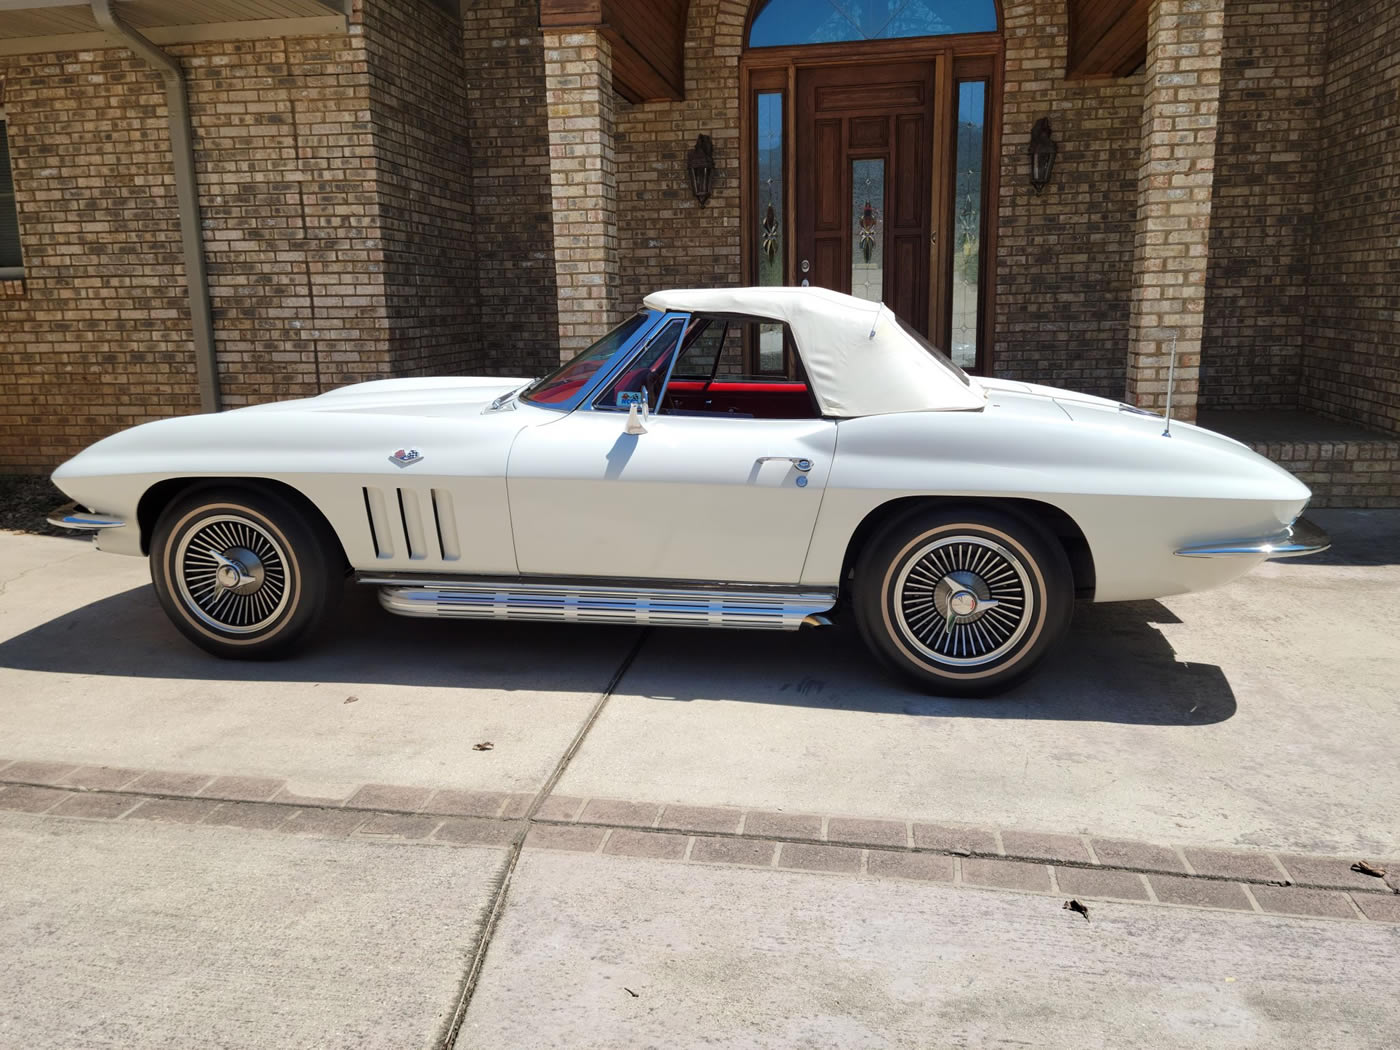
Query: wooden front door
(865, 178)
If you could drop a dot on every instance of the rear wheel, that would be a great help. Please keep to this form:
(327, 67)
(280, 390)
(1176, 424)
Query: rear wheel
(244, 574)
(962, 602)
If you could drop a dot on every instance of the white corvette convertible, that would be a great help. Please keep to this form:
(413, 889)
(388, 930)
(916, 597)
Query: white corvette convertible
(647, 481)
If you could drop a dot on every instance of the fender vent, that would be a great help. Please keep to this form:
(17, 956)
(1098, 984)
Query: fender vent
(378, 515)
(402, 512)
(446, 520)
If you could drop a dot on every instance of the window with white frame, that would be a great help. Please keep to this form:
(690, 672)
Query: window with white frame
(11, 259)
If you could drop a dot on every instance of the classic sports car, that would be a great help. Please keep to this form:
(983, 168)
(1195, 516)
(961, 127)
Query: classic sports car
(648, 481)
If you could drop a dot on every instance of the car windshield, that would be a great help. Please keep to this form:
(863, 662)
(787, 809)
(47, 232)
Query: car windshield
(561, 385)
(933, 352)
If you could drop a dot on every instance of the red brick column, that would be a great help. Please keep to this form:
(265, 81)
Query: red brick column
(583, 184)
(1180, 102)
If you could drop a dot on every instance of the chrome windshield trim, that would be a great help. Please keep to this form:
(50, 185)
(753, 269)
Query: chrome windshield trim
(593, 404)
(71, 516)
(1301, 538)
(589, 389)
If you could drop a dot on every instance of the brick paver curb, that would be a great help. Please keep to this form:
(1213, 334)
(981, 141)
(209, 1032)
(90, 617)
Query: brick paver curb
(1070, 851)
(1089, 884)
(294, 819)
(986, 858)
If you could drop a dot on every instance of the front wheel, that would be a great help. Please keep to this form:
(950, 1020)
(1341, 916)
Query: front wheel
(962, 602)
(244, 574)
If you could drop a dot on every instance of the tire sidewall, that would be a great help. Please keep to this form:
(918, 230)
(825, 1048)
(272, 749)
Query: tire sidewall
(1050, 596)
(307, 580)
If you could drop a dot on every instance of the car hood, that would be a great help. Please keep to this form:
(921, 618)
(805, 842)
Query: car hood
(418, 396)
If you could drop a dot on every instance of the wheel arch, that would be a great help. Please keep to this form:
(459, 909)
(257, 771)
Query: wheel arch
(163, 493)
(1048, 516)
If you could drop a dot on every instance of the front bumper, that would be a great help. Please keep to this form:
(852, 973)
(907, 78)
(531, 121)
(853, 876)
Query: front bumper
(72, 516)
(1300, 538)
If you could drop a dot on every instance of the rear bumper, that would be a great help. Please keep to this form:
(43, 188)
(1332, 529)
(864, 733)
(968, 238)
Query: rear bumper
(71, 516)
(1300, 538)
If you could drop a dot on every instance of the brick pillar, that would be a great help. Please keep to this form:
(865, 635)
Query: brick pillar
(1180, 100)
(583, 184)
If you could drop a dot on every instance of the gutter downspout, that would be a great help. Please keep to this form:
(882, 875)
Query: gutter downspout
(186, 196)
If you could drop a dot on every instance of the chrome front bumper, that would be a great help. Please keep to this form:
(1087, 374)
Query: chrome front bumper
(1300, 538)
(71, 516)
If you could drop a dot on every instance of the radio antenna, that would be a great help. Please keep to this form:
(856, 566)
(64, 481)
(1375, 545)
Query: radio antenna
(1171, 388)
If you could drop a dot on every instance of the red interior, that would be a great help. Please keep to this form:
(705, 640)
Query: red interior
(763, 399)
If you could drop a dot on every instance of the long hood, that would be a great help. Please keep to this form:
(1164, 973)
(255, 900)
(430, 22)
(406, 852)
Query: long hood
(425, 396)
(353, 429)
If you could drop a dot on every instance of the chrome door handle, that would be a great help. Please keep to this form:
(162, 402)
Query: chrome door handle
(800, 462)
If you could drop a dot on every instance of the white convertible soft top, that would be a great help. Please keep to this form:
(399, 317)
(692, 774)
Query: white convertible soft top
(859, 360)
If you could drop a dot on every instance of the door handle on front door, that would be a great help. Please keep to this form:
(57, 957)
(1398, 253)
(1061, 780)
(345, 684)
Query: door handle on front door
(800, 462)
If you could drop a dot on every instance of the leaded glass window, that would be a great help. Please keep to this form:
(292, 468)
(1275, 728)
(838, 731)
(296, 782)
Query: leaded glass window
(781, 22)
(967, 224)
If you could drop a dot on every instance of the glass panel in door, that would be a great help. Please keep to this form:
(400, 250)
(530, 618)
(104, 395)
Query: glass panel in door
(867, 234)
(967, 225)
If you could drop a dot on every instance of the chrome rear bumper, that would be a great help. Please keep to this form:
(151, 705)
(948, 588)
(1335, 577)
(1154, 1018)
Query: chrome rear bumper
(71, 516)
(1300, 538)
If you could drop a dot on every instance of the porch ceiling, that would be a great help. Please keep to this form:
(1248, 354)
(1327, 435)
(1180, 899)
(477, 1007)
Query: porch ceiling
(647, 38)
(1107, 38)
(38, 26)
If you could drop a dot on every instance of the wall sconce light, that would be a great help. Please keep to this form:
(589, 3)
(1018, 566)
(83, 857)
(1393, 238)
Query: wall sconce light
(1043, 150)
(700, 163)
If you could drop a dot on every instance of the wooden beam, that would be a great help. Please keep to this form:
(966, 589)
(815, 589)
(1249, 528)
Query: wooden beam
(1107, 38)
(647, 38)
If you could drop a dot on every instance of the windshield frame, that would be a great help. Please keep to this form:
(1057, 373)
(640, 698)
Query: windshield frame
(624, 353)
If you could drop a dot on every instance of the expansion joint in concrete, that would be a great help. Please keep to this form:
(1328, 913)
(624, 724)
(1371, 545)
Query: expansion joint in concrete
(498, 899)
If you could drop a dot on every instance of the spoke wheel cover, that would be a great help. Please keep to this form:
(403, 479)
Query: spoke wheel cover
(231, 574)
(963, 600)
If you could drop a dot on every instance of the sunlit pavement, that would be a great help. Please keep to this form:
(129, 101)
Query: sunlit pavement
(1257, 719)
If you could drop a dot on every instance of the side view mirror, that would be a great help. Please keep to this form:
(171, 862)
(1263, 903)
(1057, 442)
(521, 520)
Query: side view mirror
(636, 419)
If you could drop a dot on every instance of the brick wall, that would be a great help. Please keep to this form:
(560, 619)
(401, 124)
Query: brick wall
(1351, 361)
(666, 239)
(99, 339)
(582, 184)
(418, 114)
(1266, 167)
(284, 162)
(1341, 473)
(1176, 177)
(512, 240)
(333, 183)
(1065, 256)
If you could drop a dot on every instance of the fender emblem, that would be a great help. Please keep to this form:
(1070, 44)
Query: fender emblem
(406, 456)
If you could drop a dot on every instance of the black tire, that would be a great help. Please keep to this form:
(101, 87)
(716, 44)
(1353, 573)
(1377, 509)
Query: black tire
(244, 574)
(923, 567)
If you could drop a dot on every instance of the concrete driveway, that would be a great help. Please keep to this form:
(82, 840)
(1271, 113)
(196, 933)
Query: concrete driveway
(324, 851)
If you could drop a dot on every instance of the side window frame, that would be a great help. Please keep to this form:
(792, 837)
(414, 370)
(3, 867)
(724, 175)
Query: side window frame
(795, 371)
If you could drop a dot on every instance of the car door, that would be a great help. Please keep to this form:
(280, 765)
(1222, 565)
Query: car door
(717, 498)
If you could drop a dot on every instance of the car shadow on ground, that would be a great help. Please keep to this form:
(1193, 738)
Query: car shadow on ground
(1114, 666)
